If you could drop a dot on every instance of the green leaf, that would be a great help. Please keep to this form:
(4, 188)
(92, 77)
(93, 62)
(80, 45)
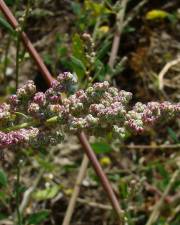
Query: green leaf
(173, 135)
(76, 8)
(6, 25)
(100, 147)
(45, 164)
(101, 70)
(78, 63)
(78, 59)
(48, 59)
(3, 216)
(61, 51)
(2, 195)
(120, 66)
(38, 218)
(97, 8)
(70, 167)
(47, 193)
(3, 178)
(114, 177)
(78, 48)
(10, 2)
(123, 189)
(129, 29)
(78, 67)
(103, 49)
(162, 184)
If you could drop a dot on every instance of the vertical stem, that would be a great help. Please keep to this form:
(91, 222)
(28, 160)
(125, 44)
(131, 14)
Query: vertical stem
(17, 59)
(19, 217)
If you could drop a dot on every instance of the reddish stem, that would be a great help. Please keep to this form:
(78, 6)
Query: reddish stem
(82, 137)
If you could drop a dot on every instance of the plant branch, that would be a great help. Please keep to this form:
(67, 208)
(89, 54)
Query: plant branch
(82, 137)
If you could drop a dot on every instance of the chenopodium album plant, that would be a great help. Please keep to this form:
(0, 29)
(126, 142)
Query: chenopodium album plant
(37, 118)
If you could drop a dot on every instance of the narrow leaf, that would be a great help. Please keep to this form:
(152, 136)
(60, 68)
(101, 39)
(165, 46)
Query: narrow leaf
(100, 147)
(47, 193)
(38, 218)
(6, 25)
(3, 178)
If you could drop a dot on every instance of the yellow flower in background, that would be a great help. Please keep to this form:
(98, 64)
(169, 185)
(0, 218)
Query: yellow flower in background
(105, 161)
(156, 14)
(104, 29)
(68, 191)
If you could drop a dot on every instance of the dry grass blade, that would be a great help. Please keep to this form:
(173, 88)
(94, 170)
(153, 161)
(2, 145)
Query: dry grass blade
(165, 70)
(157, 208)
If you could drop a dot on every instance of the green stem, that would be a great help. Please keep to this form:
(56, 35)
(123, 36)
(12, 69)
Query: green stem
(20, 126)
(51, 120)
(19, 216)
(21, 114)
(96, 28)
(48, 122)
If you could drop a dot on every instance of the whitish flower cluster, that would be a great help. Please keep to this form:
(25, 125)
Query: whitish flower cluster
(4, 112)
(38, 118)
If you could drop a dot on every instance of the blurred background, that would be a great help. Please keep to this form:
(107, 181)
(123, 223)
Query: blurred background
(145, 60)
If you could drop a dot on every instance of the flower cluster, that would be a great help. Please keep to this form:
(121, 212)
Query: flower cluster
(99, 109)
(4, 112)
(18, 137)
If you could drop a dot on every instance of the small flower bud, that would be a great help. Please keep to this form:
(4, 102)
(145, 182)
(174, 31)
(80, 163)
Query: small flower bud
(91, 121)
(33, 109)
(40, 98)
(4, 111)
(119, 131)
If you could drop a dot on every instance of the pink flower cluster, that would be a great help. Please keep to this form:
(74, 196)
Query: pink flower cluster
(97, 110)
(18, 137)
